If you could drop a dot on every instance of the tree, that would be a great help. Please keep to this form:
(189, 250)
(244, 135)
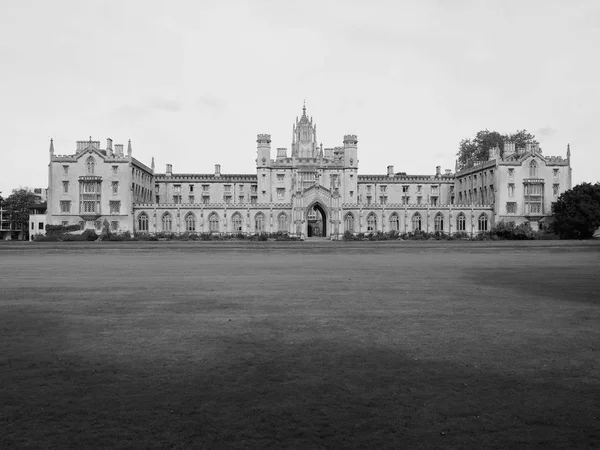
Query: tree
(18, 204)
(577, 212)
(478, 149)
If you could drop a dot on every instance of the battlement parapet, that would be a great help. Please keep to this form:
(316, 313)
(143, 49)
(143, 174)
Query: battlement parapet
(223, 178)
(350, 140)
(263, 138)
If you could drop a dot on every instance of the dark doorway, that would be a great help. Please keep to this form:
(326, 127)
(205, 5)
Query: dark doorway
(317, 222)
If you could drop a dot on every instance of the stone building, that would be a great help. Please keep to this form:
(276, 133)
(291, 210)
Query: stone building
(310, 191)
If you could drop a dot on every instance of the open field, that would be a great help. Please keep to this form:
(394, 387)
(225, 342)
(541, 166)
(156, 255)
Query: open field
(300, 345)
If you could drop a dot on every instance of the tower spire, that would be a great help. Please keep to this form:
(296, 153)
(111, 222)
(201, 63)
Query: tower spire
(569, 153)
(129, 147)
(51, 146)
(304, 108)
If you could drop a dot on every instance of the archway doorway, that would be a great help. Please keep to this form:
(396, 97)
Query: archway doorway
(317, 221)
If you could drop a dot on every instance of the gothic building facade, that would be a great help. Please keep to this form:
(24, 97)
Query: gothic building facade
(312, 191)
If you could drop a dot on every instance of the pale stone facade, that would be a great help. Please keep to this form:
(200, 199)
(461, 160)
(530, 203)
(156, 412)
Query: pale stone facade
(94, 185)
(313, 191)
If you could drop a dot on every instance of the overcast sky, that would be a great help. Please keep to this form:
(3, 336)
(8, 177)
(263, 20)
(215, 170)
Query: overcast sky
(192, 83)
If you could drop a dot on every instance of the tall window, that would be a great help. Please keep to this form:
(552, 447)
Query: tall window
(282, 222)
(213, 223)
(483, 222)
(280, 193)
(511, 207)
(259, 222)
(461, 222)
(115, 207)
(65, 186)
(438, 222)
(167, 222)
(416, 222)
(143, 222)
(90, 165)
(65, 206)
(349, 222)
(89, 197)
(190, 222)
(372, 222)
(115, 187)
(394, 222)
(533, 169)
(236, 220)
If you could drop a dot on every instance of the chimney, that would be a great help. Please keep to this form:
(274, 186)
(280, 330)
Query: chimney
(217, 170)
(169, 170)
(109, 147)
(438, 171)
(390, 171)
(282, 152)
(119, 149)
(448, 171)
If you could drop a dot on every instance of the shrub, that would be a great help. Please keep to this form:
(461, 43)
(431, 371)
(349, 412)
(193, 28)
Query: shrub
(348, 235)
(74, 237)
(140, 236)
(89, 235)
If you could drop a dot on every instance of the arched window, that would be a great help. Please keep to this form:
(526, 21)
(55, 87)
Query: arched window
(372, 222)
(483, 222)
(394, 222)
(167, 222)
(236, 221)
(190, 222)
(416, 222)
(90, 165)
(461, 222)
(438, 222)
(213, 223)
(282, 222)
(349, 222)
(143, 222)
(259, 222)
(533, 169)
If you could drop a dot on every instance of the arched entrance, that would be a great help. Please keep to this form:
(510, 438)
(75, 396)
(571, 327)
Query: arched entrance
(317, 221)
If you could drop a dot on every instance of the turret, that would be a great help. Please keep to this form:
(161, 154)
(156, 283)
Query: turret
(217, 170)
(569, 154)
(263, 150)
(51, 147)
(350, 150)
(169, 170)
(438, 171)
(152, 164)
(129, 149)
(390, 171)
(304, 139)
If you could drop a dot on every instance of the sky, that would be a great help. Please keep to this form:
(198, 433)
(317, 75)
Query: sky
(193, 83)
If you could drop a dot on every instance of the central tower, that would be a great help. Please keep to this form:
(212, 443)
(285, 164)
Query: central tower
(304, 140)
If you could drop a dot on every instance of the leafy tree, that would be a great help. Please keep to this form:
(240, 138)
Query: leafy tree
(577, 212)
(18, 205)
(478, 148)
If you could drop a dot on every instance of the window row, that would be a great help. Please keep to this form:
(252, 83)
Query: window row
(214, 222)
(416, 222)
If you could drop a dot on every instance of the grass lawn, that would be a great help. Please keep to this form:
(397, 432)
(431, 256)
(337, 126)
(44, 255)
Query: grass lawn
(300, 345)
